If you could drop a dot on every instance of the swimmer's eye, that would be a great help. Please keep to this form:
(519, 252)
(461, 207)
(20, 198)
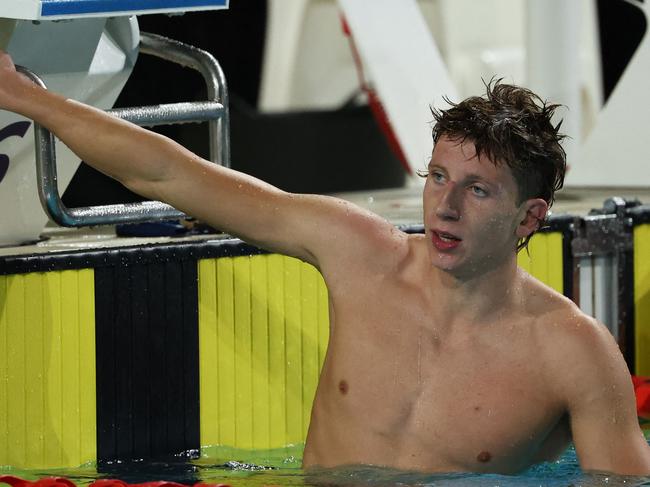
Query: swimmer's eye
(437, 176)
(434, 174)
(478, 191)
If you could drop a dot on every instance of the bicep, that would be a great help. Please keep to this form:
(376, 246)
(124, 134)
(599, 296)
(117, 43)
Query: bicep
(604, 423)
(608, 439)
(310, 227)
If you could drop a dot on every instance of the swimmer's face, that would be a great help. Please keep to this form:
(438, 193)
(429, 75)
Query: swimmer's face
(472, 216)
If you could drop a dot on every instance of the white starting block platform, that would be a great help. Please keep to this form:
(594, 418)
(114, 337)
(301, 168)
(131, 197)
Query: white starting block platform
(81, 49)
(69, 9)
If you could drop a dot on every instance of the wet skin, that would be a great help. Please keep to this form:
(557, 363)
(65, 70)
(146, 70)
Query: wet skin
(443, 355)
(451, 357)
(436, 377)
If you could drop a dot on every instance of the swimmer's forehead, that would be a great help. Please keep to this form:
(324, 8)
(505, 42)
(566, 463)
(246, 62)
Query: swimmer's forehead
(451, 154)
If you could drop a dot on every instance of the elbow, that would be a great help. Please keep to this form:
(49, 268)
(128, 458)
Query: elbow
(143, 187)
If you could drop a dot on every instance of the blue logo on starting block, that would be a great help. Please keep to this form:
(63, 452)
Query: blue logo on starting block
(79, 7)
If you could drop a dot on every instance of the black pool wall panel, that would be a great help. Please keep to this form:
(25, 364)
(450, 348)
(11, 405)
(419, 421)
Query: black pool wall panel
(147, 359)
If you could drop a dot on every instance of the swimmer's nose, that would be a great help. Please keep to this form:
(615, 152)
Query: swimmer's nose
(449, 205)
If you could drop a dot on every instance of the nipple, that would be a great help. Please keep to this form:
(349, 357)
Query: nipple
(484, 457)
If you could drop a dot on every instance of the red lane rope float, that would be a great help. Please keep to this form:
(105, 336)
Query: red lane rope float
(63, 482)
(45, 482)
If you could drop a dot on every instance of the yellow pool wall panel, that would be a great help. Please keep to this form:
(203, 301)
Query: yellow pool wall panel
(263, 328)
(642, 299)
(544, 259)
(47, 357)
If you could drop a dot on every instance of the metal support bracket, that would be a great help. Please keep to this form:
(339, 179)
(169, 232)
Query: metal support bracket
(605, 231)
(601, 248)
(214, 111)
(600, 235)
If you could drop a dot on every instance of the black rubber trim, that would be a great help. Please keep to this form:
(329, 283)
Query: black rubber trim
(639, 214)
(128, 255)
(556, 223)
(626, 293)
(559, 223)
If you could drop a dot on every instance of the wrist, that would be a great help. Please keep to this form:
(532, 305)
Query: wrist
(20, 95)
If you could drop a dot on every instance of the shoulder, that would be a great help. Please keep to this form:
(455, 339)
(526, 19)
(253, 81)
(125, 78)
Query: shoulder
(355, 238)
(554, 315)
(566, 333)
(580, 356)
(574, 346)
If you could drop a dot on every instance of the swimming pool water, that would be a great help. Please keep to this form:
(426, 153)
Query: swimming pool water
(282, 467)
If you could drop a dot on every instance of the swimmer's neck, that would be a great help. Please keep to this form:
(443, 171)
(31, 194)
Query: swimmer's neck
(474, 299)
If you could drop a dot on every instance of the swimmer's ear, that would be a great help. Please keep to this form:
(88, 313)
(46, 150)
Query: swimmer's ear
(534, 213)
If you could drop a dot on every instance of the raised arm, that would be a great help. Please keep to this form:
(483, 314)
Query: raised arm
(149, 164)
(601, 404)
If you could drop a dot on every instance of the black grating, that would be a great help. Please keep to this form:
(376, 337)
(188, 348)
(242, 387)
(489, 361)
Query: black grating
(147, 359)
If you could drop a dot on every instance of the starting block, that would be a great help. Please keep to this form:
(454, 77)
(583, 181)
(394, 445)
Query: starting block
(85, 50)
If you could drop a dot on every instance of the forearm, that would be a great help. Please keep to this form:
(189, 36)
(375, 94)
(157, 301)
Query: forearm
(156, 167)
(117, 148)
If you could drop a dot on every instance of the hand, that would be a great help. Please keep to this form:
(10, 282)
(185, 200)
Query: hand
(6, 62)
(13, 85)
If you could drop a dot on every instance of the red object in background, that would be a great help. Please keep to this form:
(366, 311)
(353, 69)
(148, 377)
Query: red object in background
(642, 392)
(375, 103)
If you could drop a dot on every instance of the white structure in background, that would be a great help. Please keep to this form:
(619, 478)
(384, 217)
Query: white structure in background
(80, 50)
(553, 53)
(308, 63)
(549, 45)
(616, 152)
(405, 66)
(93, 71)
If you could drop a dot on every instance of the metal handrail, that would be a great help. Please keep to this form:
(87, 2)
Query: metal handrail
(217, 89)
(214, 111)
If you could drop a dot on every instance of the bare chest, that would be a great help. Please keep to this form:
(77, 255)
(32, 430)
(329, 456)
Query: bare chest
(408, 398)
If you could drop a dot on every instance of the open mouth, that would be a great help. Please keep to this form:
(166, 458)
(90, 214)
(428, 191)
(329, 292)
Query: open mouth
(444, 240)
(447, 237)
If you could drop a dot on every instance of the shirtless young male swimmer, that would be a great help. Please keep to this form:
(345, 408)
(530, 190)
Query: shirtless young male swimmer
(443, 354)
